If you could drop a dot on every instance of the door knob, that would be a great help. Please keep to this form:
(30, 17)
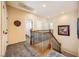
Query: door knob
(5, 32)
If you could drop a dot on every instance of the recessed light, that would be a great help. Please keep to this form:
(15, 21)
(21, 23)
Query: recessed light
(51, 24)
(44, 5)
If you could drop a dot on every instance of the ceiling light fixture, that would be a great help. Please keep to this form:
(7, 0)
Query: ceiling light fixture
(44, 5)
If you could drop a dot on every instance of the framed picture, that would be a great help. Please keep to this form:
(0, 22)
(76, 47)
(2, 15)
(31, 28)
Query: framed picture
(64, 30)
(78, 28)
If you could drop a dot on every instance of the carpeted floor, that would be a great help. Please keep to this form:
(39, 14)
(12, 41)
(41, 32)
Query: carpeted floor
(19, 50)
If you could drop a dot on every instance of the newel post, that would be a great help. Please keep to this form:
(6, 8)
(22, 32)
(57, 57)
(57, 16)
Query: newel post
(31, 37)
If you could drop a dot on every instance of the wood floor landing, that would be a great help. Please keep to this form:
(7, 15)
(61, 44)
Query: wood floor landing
(41, 51)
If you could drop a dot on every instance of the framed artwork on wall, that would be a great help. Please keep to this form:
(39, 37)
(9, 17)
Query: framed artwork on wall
(64, 30)
(78, 28)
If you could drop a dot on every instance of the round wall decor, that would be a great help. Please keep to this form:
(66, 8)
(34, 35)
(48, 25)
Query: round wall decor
(17, 23)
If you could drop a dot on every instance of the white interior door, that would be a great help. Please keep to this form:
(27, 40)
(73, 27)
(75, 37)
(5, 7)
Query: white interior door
(28, 25)
(4, 28)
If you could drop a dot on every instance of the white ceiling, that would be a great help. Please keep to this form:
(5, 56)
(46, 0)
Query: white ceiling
(52, 8)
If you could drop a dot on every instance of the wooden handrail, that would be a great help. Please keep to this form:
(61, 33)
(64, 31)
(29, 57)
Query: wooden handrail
(55, 38)
(56, 41)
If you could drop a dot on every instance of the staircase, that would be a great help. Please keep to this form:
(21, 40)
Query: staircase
(38, 36)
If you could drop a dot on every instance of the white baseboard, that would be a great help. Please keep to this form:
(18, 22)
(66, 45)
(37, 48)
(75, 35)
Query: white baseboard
(70, 52)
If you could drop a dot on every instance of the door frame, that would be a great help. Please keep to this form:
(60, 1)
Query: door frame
(3, 41)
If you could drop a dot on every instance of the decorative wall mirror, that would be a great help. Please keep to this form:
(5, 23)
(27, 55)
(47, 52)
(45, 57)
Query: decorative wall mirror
(17, 23)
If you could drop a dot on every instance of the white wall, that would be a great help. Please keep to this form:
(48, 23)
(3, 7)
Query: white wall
(17, 34)
(69, 43)
(42, 25)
